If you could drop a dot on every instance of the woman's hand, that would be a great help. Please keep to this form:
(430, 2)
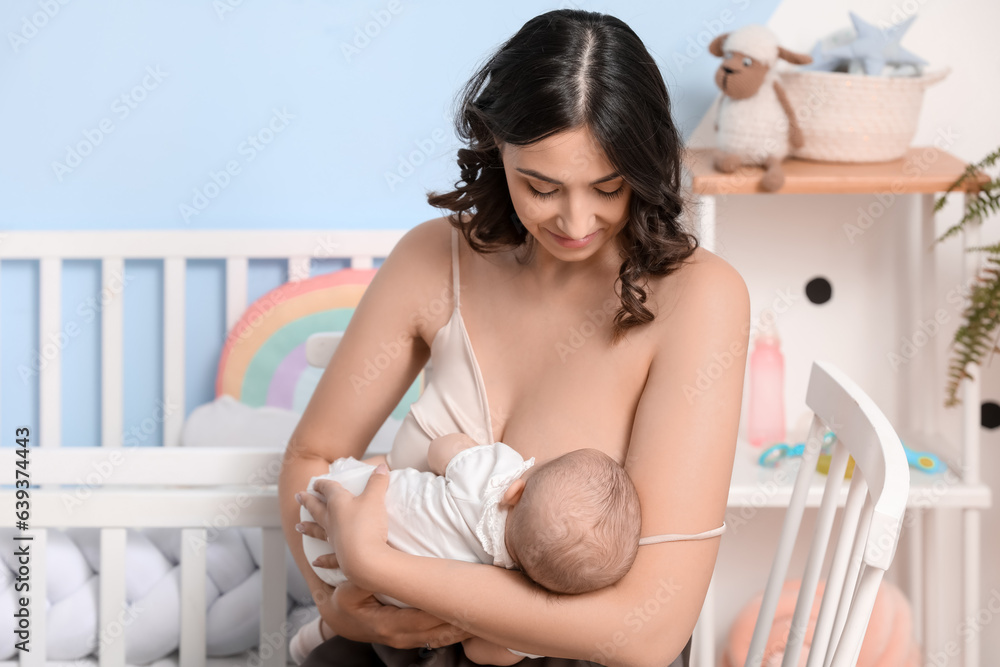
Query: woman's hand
(357, 527)
(354, 613)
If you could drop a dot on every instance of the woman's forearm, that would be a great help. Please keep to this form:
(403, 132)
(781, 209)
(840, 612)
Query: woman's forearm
(631, 623)
(296, 471)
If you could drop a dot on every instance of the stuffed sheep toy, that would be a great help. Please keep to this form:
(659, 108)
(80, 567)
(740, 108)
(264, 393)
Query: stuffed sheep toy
(755, 122)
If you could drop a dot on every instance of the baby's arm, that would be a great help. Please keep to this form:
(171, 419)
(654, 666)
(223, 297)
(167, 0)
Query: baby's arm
(441, 450)
(485, 652)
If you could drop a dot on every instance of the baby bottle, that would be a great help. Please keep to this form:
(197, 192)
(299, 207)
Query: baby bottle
(767, 387)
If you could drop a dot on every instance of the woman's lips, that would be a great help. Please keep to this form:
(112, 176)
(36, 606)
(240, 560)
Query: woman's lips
(574, 243)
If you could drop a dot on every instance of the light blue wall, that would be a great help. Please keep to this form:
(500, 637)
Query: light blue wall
(199, 79)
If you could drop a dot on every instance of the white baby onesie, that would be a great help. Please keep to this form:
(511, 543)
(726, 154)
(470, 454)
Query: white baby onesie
(453, 516)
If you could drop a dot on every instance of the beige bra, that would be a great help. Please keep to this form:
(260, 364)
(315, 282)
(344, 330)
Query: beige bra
(454, 400)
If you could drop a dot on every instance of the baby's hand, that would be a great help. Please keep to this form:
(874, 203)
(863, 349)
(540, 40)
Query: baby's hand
(442, 449)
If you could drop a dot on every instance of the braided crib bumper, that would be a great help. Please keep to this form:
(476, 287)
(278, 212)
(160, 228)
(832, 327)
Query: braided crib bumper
(151, 620)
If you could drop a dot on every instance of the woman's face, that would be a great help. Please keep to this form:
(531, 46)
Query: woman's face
(566, 193)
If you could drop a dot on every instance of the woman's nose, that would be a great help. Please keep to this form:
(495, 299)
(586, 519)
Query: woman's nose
(577, 222)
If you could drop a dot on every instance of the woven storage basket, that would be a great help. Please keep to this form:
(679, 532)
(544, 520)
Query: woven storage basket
(854, 118)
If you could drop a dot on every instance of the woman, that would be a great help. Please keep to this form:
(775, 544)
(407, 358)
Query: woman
(570, 187)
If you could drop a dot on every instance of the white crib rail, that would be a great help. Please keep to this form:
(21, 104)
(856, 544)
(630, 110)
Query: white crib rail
(167, 487)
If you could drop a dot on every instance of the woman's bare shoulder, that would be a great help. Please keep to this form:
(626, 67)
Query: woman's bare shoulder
(705, 281)
(422, 261)
(425, 250)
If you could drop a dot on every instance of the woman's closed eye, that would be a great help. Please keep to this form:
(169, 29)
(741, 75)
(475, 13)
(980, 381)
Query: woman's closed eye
(609, 195)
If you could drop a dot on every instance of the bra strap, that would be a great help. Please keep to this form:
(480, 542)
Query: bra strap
(454, 264)
(654, 539)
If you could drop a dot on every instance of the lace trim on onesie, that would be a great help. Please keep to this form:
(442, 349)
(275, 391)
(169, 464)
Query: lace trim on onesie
(490, 529)
(676, 537)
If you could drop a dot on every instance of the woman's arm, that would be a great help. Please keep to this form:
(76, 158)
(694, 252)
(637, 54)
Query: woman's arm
(348, 406)
(680, 459)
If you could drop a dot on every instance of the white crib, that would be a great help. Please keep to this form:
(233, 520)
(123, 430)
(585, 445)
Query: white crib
(206, 483)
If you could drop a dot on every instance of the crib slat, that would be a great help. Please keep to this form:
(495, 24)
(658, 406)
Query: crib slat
(298, 268)
(273, 600)
(1, 345)
(36, 604)
(173, 349)
(236, 290)
(362, 262)
(193, 573)
(111, 633)
(112, 343)
(50, 352)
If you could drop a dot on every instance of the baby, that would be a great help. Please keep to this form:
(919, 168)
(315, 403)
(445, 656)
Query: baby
(571, 525)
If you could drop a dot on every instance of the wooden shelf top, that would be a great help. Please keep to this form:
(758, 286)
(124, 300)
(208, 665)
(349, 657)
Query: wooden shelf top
(924, 169)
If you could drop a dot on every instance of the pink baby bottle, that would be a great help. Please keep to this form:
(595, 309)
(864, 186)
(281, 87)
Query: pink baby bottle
(767, 388)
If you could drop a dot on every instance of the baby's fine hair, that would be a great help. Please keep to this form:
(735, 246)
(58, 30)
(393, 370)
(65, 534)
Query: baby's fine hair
(577, 523)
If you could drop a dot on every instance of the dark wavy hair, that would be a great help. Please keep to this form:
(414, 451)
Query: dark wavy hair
(562, 70)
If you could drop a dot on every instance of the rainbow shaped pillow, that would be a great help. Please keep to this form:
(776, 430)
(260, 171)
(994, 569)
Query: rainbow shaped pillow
(263, 361)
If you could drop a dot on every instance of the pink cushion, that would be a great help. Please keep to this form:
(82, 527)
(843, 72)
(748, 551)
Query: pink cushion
(888, 640)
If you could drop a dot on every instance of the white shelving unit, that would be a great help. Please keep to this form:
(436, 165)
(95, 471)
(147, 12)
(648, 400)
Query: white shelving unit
(756, 486)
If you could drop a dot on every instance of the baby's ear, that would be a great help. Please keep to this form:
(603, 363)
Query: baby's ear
(513, 493)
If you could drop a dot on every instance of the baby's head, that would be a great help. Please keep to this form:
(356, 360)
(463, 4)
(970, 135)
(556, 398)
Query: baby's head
(573, 524)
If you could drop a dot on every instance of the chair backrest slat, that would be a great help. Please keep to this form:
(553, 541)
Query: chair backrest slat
(838, 568)
(869, 532)
(852, 579)
(789, 531)
(817, 552)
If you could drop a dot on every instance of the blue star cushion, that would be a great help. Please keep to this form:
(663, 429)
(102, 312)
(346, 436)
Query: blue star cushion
(875, 47)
